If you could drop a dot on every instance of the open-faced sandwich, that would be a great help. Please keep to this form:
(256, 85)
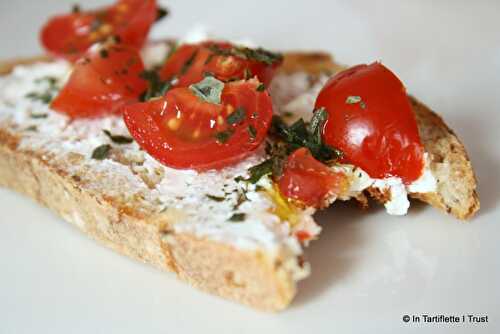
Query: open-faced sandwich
(209, 159)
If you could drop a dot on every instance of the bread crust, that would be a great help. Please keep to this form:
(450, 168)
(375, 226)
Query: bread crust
(254, 278)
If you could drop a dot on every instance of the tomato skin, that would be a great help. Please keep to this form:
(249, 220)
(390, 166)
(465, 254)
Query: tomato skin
(309, 181)
(69, 36)
(377, 132)
(101, 85)
(205, 60)
(179, 129)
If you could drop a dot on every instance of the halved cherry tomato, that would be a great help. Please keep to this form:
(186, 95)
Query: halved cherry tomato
(70, 35)
(226, 62)
(183, 131)
(309, 181)
(102, 82)
(370, 119)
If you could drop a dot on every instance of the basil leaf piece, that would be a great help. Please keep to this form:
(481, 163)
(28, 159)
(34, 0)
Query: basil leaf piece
(101, 152)
(237, 217)
(118, 139)
(209, 89)
(237, 116)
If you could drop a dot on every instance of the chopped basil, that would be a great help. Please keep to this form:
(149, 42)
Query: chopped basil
(38, 116)
(261, 87)
(76, 9)
(299, 134)
(118, 139)
(260, 55)
(189, 62)
(104, 53)
(242, 197)
(252, 132)
(223, 136)
(237, 116)
(208, 90)
(101, 152)
(49, 93)
(156, 86)
(45, 97)
(353, 99)
(237, 217)
(215, 198)
(161, 13)
(316, 125)
(31, 128)
(288, 139)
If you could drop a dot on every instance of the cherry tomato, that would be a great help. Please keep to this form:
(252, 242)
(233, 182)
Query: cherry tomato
(309, 181)
(183, 131)
(102, 82)
(370, 119)
(70, 35)
(191, 62)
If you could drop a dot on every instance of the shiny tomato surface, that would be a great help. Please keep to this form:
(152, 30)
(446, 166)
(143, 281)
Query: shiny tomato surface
(101, 83)
(181, 130)
(70, 35)
(226, 62)
(309, 181)
(370, 119)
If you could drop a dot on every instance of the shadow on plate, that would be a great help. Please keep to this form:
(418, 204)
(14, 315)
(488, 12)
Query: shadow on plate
(328, 256)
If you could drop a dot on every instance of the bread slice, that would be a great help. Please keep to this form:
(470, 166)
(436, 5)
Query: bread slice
(130, 222)
(456, 191)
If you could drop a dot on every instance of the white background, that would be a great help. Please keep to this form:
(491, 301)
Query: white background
(369, 269)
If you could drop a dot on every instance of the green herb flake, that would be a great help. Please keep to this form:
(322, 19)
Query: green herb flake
(161, 13)
(223, 136)
(38, 116)
(252, 132)
(237, 116)
(215, 198)
(362, 104)
(101, 152)
(118, 139)
(156, 86)
(208, 90)
(45, 97)
(237, 217)
(76, 9)
(104, 53)
(261, 87)
(48, 94)
(353, 99)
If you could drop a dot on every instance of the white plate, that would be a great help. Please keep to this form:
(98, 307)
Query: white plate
(369, 269)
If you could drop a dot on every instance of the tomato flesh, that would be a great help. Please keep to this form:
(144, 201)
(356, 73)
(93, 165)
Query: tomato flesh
(70, 35)
(370, 119)
(309, 181)
(101, 83)
(182, 131)
(191, 62)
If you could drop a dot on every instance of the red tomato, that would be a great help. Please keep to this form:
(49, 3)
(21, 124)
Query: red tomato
(226, 62)
(309, 181)
(370, 119)
(70, 35)
(182, 131)
(101, 83)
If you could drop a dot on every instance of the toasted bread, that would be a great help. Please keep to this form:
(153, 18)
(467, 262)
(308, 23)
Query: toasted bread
(259, 278)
